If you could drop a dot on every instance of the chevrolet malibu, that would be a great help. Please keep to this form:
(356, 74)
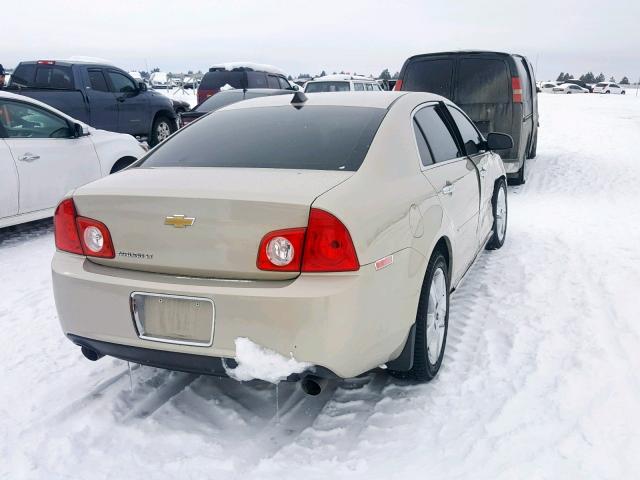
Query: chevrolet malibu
(330, 228)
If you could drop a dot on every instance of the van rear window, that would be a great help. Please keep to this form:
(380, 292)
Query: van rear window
(429, 76)
(215, 80)
(309, 138)
(483, 80)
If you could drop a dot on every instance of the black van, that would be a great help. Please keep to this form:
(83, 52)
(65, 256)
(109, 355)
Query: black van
(241, 76)
(497, 91)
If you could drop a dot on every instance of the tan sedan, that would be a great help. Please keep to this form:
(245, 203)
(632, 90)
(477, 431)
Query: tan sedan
(330, 228)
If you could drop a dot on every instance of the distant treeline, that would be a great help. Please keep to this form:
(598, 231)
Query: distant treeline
(589, 77)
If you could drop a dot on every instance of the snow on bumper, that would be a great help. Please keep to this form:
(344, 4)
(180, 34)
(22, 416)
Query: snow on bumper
(348, 323)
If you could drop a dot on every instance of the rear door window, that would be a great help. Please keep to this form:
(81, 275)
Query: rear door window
(358, 87)
(273, 81)
(471, 138)
(483, 80)
(257, 80)
(369, 87)
(310, 138)
(429, 76)
(97, 80)
(53, 76)
(439, 138)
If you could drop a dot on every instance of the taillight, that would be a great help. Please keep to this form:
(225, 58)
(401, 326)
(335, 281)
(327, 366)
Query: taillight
(81, 235)
(95, 238)
(65, 229)
(328, 246)
(517, 89)
(398, 86)
(281, 250)
(204, 94)
(324, 246)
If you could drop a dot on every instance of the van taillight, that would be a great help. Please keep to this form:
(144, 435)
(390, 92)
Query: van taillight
(398, 86)
(81, 235)
(324, 246)
(204, 94)
(517, 89)
(46, 62)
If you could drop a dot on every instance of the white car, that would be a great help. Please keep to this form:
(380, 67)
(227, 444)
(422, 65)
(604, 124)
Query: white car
(342, 83)
(569, 88)
(44, 154)
(547, 87)
(608, 87)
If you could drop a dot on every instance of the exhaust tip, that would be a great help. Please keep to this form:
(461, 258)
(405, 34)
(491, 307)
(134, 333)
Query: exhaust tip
(91, 354)
(313, 385)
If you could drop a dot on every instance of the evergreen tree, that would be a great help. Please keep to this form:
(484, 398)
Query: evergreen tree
(396, 75)
(612, 79)
(560, 77)
(323, 73)
(385, 75)
(600, 78)
(624, 81)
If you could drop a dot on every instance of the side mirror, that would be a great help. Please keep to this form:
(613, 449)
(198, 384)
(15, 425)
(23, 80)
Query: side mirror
(142, 86)
(499, 141)
(80, 130)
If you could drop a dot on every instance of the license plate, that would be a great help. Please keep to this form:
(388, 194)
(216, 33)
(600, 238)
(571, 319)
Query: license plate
(173, 318)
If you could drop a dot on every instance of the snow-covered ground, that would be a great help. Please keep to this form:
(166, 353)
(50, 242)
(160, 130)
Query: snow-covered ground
(541, 377)
(188, 95)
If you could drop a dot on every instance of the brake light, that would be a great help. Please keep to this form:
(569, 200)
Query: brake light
(398, 86)
(328, 246)
(204, 94)
(81, 235)
(46, 62)
(281, 250)
(324, 246)
(517, 89)
(65, 230)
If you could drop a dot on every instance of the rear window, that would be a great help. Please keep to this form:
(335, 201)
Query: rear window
(316, 87)
(215, 80)
(483, 80)
(601, 85)
(309, 138)
(429, 76)
(43, 76)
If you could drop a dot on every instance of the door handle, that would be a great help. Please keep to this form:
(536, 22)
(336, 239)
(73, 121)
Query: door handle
(447, 189)
(28, 157)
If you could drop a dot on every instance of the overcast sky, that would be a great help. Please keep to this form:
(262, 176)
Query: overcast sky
(311, 35)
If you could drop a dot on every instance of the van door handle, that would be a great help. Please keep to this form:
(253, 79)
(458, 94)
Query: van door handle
(28, 157)
(447, 189)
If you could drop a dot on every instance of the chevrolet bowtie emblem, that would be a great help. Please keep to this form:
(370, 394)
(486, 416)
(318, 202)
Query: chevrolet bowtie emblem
(179, 221)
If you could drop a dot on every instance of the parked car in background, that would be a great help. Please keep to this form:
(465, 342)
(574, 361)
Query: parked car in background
(224, 98)
(102, 96)
(497, 91)
(44, 154)
(342, 83)
(569, 88)
(547, 87)
(242, 75)
(159, 80)
(349, 267)
(580, 83)
(608, 87)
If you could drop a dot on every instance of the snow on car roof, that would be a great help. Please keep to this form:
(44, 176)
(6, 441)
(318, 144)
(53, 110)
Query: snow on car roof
(261, 67)
(340, 76)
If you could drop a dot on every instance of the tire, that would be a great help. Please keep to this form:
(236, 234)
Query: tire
(432, 322)
(162, 128)
(623, 92)
(608, 91)
(500, 211)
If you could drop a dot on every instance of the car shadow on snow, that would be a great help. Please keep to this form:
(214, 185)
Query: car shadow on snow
(25, 231)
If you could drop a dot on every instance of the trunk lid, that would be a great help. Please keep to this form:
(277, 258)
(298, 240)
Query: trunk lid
(232, 208)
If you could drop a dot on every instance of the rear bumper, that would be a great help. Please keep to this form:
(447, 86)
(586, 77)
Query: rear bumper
(347, 323)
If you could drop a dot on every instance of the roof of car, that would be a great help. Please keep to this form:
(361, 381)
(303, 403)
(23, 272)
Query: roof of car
(259, 91)
(341, 77)
(463, 52)
(382, 99)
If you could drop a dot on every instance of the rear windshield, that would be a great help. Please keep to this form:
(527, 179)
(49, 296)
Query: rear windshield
(316, 87)
(429, 76)
(309, 138)
(43, 76)
(215, 80)
(223, 99)
(483, 80)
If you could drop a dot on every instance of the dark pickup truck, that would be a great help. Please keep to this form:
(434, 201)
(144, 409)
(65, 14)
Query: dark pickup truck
(102, 96)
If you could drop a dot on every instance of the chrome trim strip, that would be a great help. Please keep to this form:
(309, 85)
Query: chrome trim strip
(140, 327)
